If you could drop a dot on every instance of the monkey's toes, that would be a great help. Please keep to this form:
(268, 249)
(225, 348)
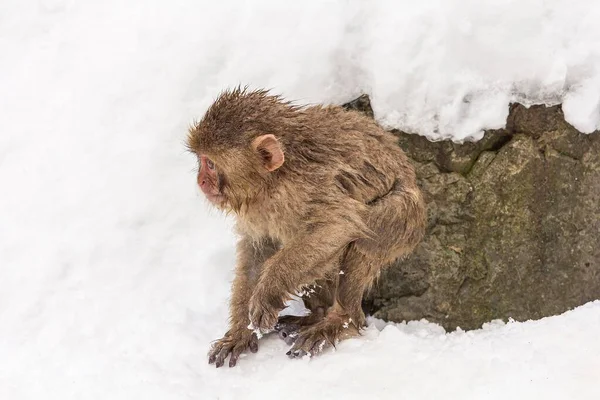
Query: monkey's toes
(312, 345)
(312, 341)
(288, 334)
(288, 326)
(233, 345)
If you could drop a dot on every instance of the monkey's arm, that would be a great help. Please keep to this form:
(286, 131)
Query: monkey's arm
(251, 256)
(301, 262)
(238, 338)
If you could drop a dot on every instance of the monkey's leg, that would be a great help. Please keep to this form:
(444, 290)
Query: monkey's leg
(398, 221)
(310, 256)
(318, 298)
(345, 317)
(238, 338)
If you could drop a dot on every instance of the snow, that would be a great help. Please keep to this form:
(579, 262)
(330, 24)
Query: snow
(114, 274)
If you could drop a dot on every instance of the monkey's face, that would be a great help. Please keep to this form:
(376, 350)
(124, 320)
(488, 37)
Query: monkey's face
(234, 177)
(210, 181)
(228, 179)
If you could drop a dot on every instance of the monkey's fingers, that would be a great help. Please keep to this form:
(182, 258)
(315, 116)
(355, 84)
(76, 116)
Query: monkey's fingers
(263, 318)
(220, 359)
(219, 351)
(235, 353)
(240, 347)
(212, 358)
(253, 345)
(264, 307)
(214, 351)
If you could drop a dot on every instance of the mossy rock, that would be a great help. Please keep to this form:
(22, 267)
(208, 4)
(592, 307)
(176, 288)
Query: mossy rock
(513, 225)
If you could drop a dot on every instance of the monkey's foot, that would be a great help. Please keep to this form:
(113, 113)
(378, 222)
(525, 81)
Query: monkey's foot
(288, 326)
(234, 342)
(313, 340)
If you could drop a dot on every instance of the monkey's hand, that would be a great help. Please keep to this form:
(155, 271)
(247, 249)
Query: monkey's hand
(235, 342)
(265, 304)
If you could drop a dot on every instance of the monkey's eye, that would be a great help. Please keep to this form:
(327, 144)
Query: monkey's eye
(210, 164)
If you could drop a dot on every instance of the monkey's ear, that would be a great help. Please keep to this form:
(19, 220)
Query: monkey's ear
(270, 150)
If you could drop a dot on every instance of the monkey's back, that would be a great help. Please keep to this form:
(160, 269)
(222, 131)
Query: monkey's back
(359, 158)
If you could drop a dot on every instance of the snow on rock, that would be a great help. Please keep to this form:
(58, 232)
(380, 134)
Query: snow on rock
(441, 68)
(114, 274)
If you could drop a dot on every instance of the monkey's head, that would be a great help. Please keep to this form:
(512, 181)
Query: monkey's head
(238, 147)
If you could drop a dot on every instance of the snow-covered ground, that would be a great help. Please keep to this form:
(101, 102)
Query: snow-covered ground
(114, 273)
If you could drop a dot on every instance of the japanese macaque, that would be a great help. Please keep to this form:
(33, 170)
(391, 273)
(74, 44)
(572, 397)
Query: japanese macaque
(324, 199)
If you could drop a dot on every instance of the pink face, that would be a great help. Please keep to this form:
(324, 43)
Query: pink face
(208, 180)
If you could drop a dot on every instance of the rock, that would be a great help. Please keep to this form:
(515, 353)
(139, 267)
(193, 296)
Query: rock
(513, 225)
(362, 104)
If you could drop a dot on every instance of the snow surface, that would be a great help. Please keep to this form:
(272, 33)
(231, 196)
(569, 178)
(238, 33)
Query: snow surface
(114, 274)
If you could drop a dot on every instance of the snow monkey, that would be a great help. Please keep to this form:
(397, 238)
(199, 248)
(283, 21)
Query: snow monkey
(323, 198)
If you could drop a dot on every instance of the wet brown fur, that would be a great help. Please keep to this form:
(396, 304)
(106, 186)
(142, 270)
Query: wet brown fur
(345, 199)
